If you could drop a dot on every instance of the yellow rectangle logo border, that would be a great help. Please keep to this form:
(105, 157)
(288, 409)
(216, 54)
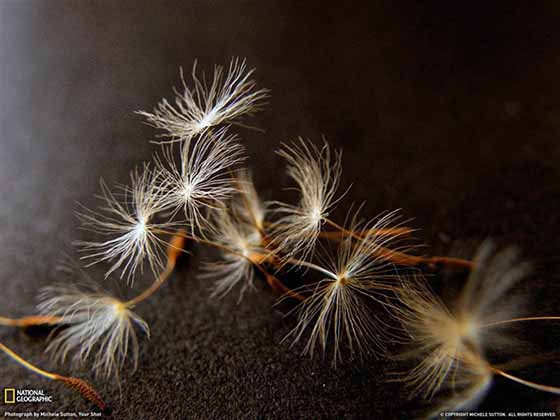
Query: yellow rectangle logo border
(7, 392)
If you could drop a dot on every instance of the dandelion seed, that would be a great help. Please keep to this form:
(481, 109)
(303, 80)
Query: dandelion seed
(449, 342)
(447, 350)
(128, 219)
(201, 181)
(240, 232)
(339, 307)
(441, 340)
(317, 174)
(231, 95)
(96, 326)
(242, 248)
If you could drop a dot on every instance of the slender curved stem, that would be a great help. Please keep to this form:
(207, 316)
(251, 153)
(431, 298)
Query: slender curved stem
(176, 246)
(450, 261)
(530, 384)
(338, 234)
(255, 258)
(158, 282)
(302, 263)
(342, 229)
(28, 321)
(184, 235)
(276, 284)
(14, 356)
(85, 389)
(525, 361)
(399, 257)
(523, 319)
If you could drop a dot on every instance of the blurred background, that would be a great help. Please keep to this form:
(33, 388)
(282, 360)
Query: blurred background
(447, 110)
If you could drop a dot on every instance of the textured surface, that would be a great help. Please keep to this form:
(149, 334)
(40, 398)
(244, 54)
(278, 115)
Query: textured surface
(452, 114)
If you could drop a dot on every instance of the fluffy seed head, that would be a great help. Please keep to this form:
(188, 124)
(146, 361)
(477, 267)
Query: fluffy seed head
(126, 219)
(242, 244)
(317, 172)
(96, 326)
(449, 341)
(202, 180)
(442, 342)
(230, 95)
(446, 348)
(240, 231)
(339, 307)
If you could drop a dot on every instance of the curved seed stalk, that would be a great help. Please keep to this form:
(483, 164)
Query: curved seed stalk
(79, 385)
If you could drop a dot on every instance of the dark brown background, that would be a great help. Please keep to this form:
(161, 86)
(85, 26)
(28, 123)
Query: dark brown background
(448, 110)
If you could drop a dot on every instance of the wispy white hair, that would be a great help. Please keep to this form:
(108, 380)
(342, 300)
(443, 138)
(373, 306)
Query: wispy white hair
(94, 325)
(338, 310)
(202, 180)
(243, 248)
(127, 220)
(449, 341)
(316, 172)
(230, 95)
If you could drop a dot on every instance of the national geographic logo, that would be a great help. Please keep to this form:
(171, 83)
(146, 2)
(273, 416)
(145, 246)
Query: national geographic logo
(13, 396)
(9, 396)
